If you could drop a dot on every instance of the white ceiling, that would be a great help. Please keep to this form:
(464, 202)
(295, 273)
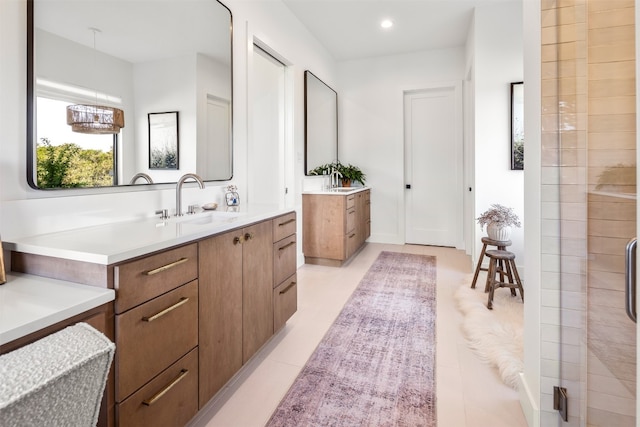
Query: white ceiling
(350, 29)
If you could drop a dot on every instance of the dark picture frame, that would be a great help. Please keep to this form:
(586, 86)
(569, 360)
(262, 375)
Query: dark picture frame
(163, 140)
(517, 126)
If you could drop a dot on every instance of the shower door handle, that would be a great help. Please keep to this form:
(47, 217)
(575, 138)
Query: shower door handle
(630, 278)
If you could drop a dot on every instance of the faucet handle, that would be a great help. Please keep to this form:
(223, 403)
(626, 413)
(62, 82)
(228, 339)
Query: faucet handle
(192, 209)
(164, 213)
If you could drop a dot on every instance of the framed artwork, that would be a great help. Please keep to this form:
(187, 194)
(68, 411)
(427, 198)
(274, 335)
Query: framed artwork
(163, 140)
(517, 126)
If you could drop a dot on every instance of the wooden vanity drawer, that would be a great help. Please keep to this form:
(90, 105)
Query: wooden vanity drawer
(351, 201)
(154, 335)
(351, 219)
(149, 406)
(285, 301)
(284, 226)
(284, 259)
(140, 280)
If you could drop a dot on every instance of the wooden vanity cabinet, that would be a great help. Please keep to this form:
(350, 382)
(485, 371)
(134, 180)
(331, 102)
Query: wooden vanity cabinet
(335, 226)
(257, 288)
(220, 332)
(236, 307)
(156, 327)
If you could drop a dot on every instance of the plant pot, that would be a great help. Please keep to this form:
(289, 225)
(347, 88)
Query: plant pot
(499, 232)
(346, 182)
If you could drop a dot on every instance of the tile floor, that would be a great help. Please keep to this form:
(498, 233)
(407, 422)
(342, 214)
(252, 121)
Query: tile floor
(469, 392)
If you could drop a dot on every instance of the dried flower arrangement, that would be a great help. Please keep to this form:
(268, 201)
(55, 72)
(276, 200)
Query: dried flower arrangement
(499, 215)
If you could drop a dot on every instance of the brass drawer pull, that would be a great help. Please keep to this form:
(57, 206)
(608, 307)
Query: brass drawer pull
(286, 222)
(165, 267)
(237, 240)
(285, 290)
(248, 236)
(182, 301)
(183, 373)
(287, 245)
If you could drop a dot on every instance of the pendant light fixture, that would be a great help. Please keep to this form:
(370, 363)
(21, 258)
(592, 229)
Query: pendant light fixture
(95, 119)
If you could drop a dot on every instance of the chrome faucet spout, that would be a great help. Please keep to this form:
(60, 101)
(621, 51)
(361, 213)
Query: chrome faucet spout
(141, 175)
(181, 181)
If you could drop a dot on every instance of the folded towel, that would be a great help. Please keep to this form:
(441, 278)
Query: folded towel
(56, 381)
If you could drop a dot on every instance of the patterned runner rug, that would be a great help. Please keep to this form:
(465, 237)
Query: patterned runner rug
(376, 364)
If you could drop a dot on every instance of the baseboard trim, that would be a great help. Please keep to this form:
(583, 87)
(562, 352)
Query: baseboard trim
(528, 403)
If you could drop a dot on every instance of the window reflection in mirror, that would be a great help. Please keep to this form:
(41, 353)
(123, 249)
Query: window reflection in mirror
(321, 122)
(147, 57)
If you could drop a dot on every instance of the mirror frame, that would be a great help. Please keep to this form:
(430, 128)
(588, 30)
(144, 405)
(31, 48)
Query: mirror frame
(31, 110)
(307, 73)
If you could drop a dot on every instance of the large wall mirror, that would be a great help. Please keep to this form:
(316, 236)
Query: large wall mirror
(321, 123)
(161, 68)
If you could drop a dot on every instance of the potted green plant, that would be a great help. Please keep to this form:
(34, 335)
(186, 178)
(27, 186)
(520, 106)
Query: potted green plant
(499, 220)
(351, 173)
(348, 173)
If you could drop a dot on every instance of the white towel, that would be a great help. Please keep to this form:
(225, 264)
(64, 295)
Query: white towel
(56, 381)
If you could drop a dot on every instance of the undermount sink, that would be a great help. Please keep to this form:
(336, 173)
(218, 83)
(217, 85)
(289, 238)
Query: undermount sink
(344, 189)
(207, 217)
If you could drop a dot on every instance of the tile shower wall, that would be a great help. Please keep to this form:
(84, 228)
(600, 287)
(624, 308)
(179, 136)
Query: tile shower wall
(588, 152)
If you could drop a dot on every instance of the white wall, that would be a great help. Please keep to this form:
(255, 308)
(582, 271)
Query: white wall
(371, 124)
(497, 56)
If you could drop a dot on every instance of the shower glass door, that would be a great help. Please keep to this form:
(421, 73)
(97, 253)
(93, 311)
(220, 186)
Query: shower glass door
(589, 148)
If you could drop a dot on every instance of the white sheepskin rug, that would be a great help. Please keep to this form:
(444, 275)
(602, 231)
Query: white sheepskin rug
(494, 335)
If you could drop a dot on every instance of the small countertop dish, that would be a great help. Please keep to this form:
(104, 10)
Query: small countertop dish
(117, 242)
(30, 303)
(338, 191)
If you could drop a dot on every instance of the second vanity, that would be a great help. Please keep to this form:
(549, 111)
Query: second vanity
(196, 298)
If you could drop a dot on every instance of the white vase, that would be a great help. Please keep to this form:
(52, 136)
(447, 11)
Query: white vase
(499, 232)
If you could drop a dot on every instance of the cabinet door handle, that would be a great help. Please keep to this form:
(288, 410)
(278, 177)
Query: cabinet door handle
(286, 246)
(285, 290)
(148, 402)
(286, 222)
(182, 301)
(165, 267)
(352, 212)
(248, 236)
(353, 235)
(237, 240)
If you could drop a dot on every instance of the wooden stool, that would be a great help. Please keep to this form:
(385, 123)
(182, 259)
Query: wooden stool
(511, 273)
(501, 245)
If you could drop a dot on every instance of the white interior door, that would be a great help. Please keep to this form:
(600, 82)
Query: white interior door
(267, 152)
(433, 166)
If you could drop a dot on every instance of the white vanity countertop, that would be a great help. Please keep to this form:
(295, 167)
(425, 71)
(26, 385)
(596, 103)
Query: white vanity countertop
(30, 303)
(340, 191)
(117, 242)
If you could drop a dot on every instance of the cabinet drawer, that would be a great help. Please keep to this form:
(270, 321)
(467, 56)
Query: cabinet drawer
(351, 220)
(351, 201)
(146, 278)
(284, 259)
(170, 399)
(285, 302)
(152, 336)
(352, 243)
(284, 226)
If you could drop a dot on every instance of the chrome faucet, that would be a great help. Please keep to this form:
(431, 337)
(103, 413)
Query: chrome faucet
(335, 178)
(141, 175)
(181, 181)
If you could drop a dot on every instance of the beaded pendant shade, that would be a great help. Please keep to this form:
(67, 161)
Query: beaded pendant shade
(95, 119)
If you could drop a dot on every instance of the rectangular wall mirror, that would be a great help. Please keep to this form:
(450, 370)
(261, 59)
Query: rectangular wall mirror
(98, 68)
(320, 123)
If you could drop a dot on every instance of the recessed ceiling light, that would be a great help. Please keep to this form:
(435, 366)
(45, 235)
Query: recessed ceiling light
(387, 23)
